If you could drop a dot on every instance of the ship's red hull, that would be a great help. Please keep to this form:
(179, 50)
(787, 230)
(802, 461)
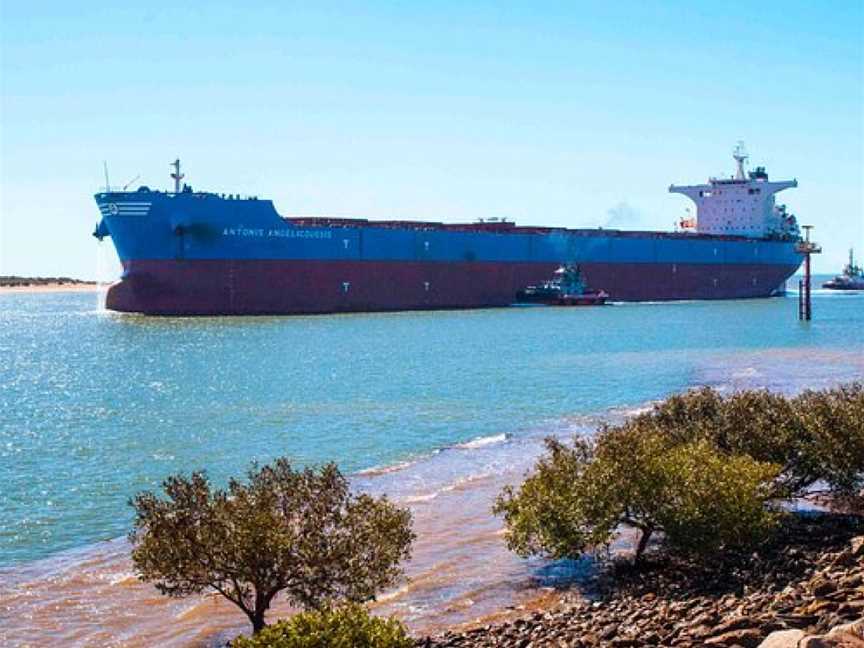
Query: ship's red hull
(257, 287)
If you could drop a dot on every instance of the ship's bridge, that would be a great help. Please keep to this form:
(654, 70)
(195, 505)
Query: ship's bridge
(742, 205)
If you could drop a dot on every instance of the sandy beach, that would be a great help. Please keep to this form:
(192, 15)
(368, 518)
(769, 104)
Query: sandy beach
(49, 288)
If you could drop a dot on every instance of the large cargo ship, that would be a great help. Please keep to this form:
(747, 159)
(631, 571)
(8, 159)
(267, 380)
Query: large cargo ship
(187, 252)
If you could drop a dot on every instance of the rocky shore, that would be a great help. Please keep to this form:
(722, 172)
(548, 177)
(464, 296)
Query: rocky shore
(804, 589)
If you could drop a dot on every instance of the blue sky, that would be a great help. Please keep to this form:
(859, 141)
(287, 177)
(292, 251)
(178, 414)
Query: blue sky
(563, 113)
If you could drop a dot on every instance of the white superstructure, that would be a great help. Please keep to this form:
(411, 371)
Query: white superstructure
(742, 205)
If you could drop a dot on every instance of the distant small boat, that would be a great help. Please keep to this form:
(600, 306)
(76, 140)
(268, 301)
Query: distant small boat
(567, 288)
(851, 279)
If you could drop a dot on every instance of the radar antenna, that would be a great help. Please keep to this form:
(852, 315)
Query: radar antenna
(177, 175)
(740, 155)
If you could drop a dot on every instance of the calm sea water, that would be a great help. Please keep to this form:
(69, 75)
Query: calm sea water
(438, 409)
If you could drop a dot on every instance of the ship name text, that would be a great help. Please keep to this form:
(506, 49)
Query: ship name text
(260, 232)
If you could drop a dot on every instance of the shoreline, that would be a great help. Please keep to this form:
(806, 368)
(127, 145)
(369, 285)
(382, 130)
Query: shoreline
(808, 583)
(52, 287)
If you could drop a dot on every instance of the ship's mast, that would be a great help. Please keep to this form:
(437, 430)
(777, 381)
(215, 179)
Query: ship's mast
(740, 155)
(177, 175)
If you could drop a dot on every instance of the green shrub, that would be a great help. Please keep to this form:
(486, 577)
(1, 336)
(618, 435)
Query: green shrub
(710, 501)
(817, 436)
(549, 514)
(633, 475)
(301, 533)
(707, 472)
(834, 443)
(345, 627)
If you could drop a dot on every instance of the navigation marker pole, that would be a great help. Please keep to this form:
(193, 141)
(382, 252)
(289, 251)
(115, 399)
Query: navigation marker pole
(806, 247)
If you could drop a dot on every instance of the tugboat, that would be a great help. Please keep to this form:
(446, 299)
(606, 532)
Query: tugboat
(566, 289)
(851, 279)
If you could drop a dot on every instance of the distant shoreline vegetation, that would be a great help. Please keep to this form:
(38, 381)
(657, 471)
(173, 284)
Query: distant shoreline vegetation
(14, 281)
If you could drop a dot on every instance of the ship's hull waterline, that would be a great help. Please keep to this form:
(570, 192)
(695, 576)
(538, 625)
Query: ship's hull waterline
(275, 287)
